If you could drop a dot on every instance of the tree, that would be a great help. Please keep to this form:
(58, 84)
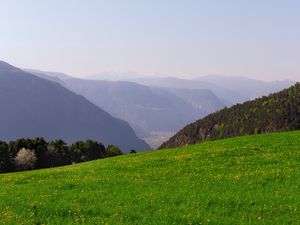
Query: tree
(40, 147)
(113, 150)
(57, 154)
(26, 159)
(93, 150)
(4, 157)
(82, 151)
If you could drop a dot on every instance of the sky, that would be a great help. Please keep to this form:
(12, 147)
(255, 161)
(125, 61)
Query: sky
(184, 38)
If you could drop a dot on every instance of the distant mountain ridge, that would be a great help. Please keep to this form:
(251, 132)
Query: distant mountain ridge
(230, 90)
(149, 110)
(248, 88)
(202, 99)
(146, 109)
(277, 112)
(35, 107)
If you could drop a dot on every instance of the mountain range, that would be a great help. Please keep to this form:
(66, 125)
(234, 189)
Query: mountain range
(157, 107)
(35, 107)
(153, 112)
(229, 89)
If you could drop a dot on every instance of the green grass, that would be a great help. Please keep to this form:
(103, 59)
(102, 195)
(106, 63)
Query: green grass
(248, 180)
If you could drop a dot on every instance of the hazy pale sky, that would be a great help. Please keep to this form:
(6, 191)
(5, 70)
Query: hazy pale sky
(255, 38)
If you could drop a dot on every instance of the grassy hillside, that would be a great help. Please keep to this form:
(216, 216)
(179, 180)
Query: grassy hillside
(247, 180)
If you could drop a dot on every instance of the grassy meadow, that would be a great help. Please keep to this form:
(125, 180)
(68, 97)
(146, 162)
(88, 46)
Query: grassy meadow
(247, 180)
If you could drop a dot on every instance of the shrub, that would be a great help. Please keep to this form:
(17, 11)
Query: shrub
(132, 151)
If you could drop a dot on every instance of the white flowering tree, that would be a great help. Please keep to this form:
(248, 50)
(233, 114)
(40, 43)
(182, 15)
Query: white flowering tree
(25, 159)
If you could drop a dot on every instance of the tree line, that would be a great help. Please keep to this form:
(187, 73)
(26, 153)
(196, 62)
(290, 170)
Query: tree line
(28, 154)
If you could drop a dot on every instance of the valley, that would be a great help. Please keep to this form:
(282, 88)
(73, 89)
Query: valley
(149, 112)
(163, 106)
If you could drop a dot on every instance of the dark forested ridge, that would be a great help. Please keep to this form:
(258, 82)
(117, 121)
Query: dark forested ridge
(277, 112)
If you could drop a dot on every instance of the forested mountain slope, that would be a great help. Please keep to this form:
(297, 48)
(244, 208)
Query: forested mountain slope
(277, 112)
